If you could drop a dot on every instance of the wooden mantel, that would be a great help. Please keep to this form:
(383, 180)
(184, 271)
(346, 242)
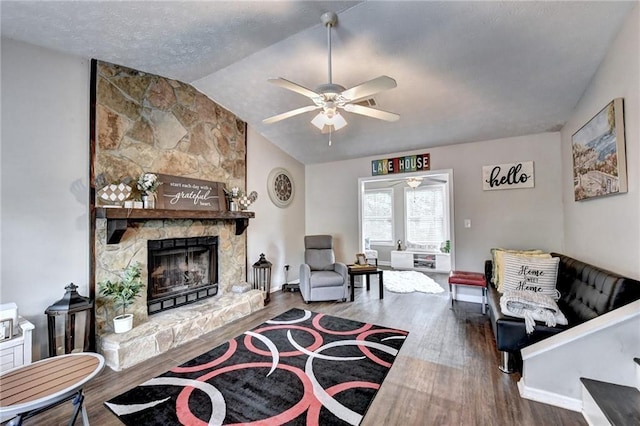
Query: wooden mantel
(118, 218)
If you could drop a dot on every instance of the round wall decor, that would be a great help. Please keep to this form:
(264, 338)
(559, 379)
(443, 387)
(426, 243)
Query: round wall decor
(280, 187)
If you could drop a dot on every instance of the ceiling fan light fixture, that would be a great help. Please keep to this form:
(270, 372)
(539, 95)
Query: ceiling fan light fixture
(323, 119)
(338, 121)
(319, 121)
(414, 182)
(330, 96)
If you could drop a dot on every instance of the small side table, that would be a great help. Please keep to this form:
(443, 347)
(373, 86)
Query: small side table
(353, 271)
(473, 279)
(16, 352)
(31, 389)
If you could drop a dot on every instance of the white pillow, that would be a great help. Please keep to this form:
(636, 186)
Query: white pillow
(498, 265)
(534, 274)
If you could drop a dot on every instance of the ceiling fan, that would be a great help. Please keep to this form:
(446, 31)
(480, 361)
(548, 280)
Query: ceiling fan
(331, 97)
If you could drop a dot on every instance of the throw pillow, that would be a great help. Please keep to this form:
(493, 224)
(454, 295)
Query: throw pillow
(538, 275)
(498, 265)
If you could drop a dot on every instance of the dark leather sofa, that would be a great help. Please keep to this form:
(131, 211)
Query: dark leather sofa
(586, 292)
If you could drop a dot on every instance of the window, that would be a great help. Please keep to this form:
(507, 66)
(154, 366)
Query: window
(426, 216)
(377, 215)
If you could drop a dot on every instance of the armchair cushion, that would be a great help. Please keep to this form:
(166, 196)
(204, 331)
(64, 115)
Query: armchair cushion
(319, 252)
(326, 279)
(319, 260)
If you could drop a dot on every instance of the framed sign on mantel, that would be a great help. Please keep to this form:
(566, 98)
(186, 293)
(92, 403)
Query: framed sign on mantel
(181, 193)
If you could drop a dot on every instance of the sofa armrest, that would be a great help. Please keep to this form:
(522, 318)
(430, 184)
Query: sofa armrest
(488, 271)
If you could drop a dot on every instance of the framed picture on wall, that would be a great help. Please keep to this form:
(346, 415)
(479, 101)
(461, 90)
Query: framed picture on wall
(599, 157)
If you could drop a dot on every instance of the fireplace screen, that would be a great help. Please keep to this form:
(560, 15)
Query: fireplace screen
(181, 271)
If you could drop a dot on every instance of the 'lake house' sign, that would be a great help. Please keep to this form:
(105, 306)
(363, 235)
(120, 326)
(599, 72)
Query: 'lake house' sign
(409, 163)
(508, 176)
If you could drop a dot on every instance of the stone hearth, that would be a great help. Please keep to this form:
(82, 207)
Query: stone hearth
(168, 329)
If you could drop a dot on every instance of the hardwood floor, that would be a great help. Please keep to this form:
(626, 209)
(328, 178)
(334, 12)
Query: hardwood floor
(445, 374)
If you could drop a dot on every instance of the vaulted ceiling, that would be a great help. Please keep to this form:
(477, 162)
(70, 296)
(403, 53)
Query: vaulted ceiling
(466, 71)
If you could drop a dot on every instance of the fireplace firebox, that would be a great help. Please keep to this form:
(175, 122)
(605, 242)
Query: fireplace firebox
(181, 271)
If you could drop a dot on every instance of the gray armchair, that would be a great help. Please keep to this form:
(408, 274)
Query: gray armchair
(321, 277)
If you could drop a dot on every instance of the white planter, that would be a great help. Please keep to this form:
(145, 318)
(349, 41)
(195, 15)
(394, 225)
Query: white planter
(123, 323)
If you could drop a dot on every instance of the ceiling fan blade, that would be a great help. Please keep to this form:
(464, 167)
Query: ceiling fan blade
(290, 85)
(288, 114)
(371, 112)
(369, 88)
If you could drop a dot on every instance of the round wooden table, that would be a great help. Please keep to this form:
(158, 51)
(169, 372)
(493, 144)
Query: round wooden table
(28, 390)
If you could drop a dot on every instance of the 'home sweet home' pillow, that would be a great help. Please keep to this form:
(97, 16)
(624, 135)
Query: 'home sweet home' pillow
(498, 264)
(538, 275)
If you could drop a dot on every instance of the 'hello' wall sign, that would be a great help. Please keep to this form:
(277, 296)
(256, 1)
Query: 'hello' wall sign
(508, 176)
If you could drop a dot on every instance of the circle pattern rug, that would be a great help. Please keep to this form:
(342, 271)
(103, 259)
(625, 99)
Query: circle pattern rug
(300, 368)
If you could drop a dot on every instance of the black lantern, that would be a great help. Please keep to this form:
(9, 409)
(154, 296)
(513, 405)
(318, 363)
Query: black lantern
(71, 334)
(262, 277)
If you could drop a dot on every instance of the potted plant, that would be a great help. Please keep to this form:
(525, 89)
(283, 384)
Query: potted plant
(123, 293)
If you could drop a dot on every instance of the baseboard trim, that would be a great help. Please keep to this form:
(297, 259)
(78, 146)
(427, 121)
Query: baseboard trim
(547, 397)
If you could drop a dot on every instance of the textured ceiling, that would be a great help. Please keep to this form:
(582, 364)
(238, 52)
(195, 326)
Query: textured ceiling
(466, 71)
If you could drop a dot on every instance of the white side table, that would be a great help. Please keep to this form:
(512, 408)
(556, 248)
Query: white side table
(16, 352)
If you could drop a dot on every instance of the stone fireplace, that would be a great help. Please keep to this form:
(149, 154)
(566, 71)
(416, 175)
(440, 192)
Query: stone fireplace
(181, 271)
(147, 123)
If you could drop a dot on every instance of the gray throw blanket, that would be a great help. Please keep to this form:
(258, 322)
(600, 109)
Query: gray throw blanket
(532, 307)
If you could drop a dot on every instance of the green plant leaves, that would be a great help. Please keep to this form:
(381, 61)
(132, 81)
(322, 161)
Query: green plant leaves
(125, 291)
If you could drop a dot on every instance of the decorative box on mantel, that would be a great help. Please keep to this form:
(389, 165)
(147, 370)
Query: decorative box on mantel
(118, 219)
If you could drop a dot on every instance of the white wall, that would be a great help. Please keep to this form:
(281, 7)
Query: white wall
(601, 349)
(276, 232)
(45, 169)
(515, 218)
(606, 231)
(603, 231)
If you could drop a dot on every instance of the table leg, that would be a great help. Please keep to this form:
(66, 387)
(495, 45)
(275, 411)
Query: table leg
(484, 300)
(16, 421)
(381, 285)
(85, 418)
(77, 402)
(368, 281)
(352, 277)
(451, 293)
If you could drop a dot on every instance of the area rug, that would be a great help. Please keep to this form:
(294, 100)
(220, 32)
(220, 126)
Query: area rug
(300, 368)
(410, 281)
